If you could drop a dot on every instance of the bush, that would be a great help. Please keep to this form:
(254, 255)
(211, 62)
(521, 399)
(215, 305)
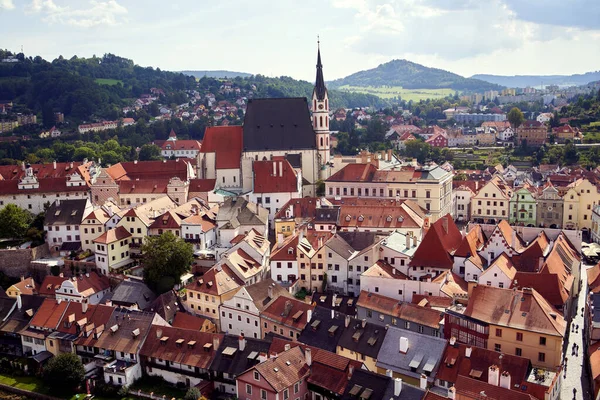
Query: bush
(193, 393)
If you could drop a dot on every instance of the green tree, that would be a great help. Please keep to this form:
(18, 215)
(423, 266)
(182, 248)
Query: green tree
(166, 258)
(515, 117)
(418, 149)
(150, 152)
(14, 221)
(64, 373)
(84, 152)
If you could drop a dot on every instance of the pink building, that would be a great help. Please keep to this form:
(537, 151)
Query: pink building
(280, 378)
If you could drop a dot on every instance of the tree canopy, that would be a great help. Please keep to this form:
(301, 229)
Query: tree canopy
(166, 258)
(64, 373)
(515, 117)
(14, 221)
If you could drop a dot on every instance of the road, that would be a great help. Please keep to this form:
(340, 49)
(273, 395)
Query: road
(576, 375)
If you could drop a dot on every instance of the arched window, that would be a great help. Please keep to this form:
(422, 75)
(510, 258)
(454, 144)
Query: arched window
(321, 121)
(314, 105)
(326, 105)
(327, 141)
(327, 122)
(321, 142)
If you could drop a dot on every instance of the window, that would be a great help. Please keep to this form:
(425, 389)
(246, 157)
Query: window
(499, 332)
(542, 357)
(286, 394)
(498, 347)
(542, 341)
(263, 394)
(256, 376)
(248, 389)
(296, 387)
(519, 337)
(518, 352)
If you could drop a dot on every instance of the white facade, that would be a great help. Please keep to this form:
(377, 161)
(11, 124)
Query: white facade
(399, 289)
(194, 234)
(32, 345)
(496, 277)
(462, 203)
(506, 135)
(68, 292)
(273, 202)
(35, 202)
(174, 377)
(239, 315)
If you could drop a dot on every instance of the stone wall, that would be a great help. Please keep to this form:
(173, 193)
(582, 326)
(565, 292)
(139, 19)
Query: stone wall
(17, 262)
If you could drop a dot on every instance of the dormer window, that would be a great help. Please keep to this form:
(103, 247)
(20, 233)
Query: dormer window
(290, 250)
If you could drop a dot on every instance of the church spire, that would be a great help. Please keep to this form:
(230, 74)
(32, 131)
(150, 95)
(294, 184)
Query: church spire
(320, 82)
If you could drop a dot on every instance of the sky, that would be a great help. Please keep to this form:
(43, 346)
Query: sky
(279, 37)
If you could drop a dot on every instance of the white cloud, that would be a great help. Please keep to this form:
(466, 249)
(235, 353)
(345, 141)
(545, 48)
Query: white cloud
(6, 5)
(108, 12)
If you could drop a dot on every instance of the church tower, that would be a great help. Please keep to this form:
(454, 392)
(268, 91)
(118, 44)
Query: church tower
(320, 115)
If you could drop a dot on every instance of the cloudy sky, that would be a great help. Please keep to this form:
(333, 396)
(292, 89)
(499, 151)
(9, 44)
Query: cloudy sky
(275, 38)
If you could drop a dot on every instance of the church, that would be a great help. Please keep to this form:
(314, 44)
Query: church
(273, 128)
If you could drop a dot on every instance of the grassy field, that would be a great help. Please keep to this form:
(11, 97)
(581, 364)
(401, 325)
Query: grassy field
(388, 92)
(108, 82)
(30, 383)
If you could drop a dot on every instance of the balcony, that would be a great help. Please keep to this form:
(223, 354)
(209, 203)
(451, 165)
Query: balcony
(192, 240)
(135, 245)
(196, 372)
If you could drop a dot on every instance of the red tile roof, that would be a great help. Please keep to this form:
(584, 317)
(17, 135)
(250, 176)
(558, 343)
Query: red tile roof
(439, 244)
(406, 311)
(151, 186)
(226, 143)
(50, 284)
(468, 388)
(181, 145)
(47, 185)
(202, 185)
(187, 321)
(142, 170)
(49, 314)
(354, 173)
(431, 301)
(181, 346)
(275, 176)
(283, 310)
(282, 252)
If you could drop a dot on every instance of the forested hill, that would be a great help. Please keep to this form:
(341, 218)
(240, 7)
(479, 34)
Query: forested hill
(284, 86)
(84, 88)
(410, 75)
(523, 81)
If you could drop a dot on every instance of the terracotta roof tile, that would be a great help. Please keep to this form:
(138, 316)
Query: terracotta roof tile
(276, 176)
(226, 143)
(113, 235)
(405, 311)
(439, 244)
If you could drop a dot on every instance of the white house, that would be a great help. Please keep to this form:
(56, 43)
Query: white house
(240, 315)
(89, 288)
(500, 273)
(62, 222)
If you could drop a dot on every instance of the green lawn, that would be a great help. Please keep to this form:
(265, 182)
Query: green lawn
(109, 82)
(30, 383)
(158, 386)
(388, 92)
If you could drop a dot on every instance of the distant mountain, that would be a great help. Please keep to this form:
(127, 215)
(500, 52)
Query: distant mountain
(218, 74)
(522, 81)
(410, 75)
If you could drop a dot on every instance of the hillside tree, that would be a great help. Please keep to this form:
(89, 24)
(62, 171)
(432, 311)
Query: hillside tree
(515, 117)
(64, 373)
(14, 221)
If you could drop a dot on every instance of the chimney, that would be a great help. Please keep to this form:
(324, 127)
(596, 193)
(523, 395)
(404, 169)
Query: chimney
(389, 155)
(270, 292)
(403, 345)
(452, 393)
(280, 168)
(505, 380)
(287, 347)
(333, 299)
(308, 315)
(388, 372)
(279, 240)
(308, 356)
(397, 387)
(241, 343)
(493, 375)
(407, 241)
(61, 275)
(347, 321)
(332, 314)
(468, 352)
(445, 224)
(540, 263)
(71, 165)
(363, 323)
(159, 333)
(350, 371)
(452, 341)
(19, 301)
(423, 382)
(84, 306)
(414, 241)
(23, 165)
(489, 259)
(216, 342)
(274, 168)
(262, 357)
(54, 164)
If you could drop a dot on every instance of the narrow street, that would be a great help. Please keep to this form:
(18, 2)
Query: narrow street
(576, 376)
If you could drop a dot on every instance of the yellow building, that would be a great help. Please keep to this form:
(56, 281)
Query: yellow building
(205, 294)
(24, 286)
(94, 224)
(579, 201)
(492, 201)
(112, 250)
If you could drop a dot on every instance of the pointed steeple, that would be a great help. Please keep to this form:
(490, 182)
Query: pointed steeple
(320, 82)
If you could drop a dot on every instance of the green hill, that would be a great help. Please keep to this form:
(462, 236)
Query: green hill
(410, 75)
(218, 74)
